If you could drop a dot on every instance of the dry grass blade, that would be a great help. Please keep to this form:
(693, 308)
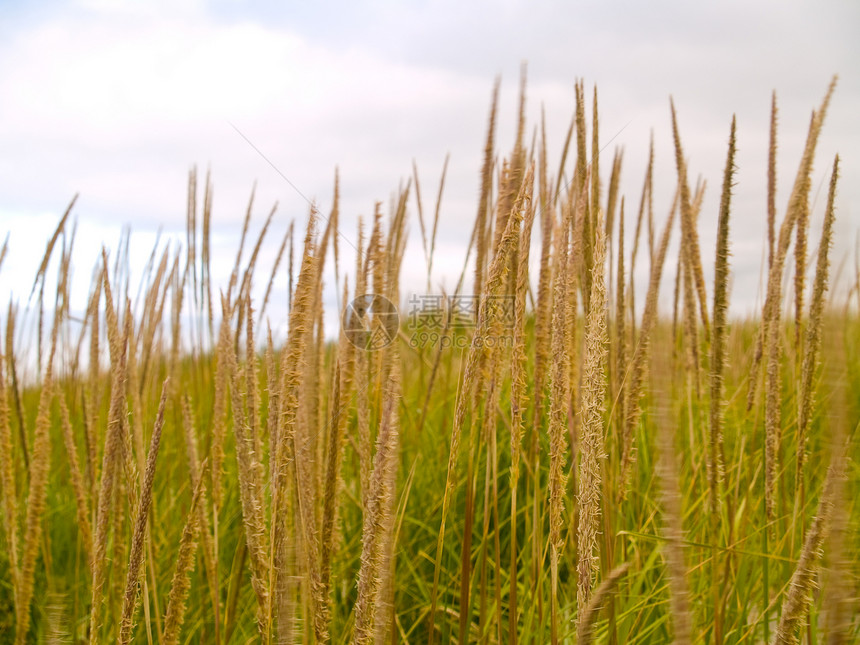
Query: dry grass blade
(518, 400)
(36, 498)
(287, 464)
(111, 460)
(374, 517)
(197, 473)
(585, 621)
(181, 584)
(4, 250)
(234, 276)
(688, 227)
(82, 504)
(43, 266)
(718, 349)
(7, 478)
(813, 334)
(420, 211)
(436, 219)
(339, 414)
(559, 403)
(591, 446)
(797, 204)
(13, 376)
(640, 358)
(771, 182)
(645, 201)
(135, 562)
(483, 201)
(670, 495)
(278, 258)
(497, 280)
(621, 340)
(250, 487)
(803, 580)
(219, 406)
(802, 232)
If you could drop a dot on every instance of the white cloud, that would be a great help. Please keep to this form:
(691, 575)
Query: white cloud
(116, 100)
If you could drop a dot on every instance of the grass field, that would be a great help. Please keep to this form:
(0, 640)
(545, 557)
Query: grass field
(541, 458)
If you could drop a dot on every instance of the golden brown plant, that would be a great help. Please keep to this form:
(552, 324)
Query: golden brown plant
(640, 357)
(374, 520)
(10, 495)
(591, 444)
(495, 283)
(718, 349)
(559, 401)
(82, 504)
(181, 584)
(136, 559)
(670, 495)
(587, 616)
(689, 233)
(813, 333)
(36, 497)
(518, 392)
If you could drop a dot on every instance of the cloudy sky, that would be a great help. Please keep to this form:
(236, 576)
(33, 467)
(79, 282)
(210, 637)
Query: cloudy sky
(116, 101)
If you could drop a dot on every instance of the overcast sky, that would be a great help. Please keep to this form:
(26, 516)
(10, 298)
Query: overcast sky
(116, 101)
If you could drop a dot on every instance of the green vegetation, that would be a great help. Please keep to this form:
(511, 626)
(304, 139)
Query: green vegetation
(575, 471)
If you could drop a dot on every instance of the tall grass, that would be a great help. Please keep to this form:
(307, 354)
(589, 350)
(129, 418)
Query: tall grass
(577, 471)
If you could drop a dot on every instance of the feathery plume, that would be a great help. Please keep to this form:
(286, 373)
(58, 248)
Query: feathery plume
(591, 443)
(136, 558)
(718, 346)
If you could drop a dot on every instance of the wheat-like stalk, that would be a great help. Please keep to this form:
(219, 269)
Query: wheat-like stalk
(771, 313)
(495, 283)
(802, 231)
(670, 496)
(129, 603)
(690, 245)
(36, 496)
(559, 401)
(93, 389)
(219, 406)
(483, 200)
(640, 357)
(181, 584)
(518, 392)
(12, 313)
(250, 486)
(374, 517)
(771, 181)
(82, 505)
(591, 444)
(621, 335)
(718, 348)
(342, 388)
(796, 204)
(111, 458)
(287, 463)
(813, 333)
(7, 478)
(803, 580)
(588, 614)
(197, 476)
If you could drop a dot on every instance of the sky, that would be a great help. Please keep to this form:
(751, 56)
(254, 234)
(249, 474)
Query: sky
(117, 100)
